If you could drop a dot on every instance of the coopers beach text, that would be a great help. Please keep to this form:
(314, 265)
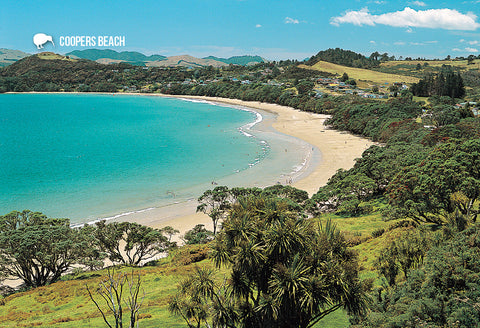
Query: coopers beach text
(92, 41)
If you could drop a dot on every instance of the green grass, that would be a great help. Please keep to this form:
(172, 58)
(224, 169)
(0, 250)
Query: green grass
(66, 303)
(364, 77)
(51, 55)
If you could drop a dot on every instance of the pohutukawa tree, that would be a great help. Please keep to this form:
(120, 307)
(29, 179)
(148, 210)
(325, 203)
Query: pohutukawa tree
(37, 249)
(215, 204)
(448, 180)
(130, 243)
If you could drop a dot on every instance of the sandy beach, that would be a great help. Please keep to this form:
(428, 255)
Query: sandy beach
(338, 150)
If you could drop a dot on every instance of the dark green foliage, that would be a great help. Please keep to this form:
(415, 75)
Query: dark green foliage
(375, 119)
(215, 203)
(444, 292)
(305, 87)
(34, 73)
(468, 128)
(200, 299)
(402, 254)
(447, 180)
(37, 249)
(445, 83)
(378, 232)
(284, 272)
(198, 235)
(129, 243)
(92, 255)
(343, 57)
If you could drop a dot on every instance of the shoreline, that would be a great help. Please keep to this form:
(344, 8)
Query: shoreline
(338, 150)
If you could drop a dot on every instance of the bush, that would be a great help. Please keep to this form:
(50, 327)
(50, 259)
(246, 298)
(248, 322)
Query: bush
(378, 233)
(191, 254)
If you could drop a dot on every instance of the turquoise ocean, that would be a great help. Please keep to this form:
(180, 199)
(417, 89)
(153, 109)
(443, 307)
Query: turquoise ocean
(86, 157)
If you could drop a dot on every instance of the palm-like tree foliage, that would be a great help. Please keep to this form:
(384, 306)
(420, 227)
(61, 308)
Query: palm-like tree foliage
(285, 272)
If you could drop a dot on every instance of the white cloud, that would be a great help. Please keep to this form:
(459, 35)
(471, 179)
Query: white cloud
(409, 30)
(448, 19)
(472, 42)
(258, 25)
(372, 42)
(289, 20)
(399, 43)
(462, 40)
(419, 3)
(465, 50)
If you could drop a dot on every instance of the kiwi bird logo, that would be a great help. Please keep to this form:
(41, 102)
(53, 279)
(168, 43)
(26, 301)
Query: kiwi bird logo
(41, 38)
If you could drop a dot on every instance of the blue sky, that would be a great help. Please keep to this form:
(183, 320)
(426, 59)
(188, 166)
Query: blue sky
(273, 29)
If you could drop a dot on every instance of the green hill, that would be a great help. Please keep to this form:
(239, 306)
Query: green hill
(239, 60)
(111, 56)
(343, 57)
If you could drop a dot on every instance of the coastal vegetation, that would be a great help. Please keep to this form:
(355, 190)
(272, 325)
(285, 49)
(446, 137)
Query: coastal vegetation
(391, 242)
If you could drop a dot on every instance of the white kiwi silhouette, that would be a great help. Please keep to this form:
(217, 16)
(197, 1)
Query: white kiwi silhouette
(41, 38)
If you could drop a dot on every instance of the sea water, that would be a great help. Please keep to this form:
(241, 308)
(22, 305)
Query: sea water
(96, 156)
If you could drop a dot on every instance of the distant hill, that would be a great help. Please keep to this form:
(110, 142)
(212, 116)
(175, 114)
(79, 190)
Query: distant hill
(343, 57)
(186, 61)
(364, 77)
(107, 56)
(239, 60)
(8, 56)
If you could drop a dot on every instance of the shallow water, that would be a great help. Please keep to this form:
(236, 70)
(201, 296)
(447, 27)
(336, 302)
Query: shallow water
(86, 156)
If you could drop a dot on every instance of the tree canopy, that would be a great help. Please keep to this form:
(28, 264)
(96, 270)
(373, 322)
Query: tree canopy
(36, 249)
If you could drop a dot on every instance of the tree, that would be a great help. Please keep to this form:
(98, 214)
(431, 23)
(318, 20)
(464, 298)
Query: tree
(443, 292)
(284, 271)
(111, 290)
(375, 55)
(169, 231)
(404, 253)
(198, 235)
(37, 249)
(305, 87)
(470, 60)
(201, 299)
(446, 181)
(140, 243)
(215, 203)
(92, 255)
(344, 77)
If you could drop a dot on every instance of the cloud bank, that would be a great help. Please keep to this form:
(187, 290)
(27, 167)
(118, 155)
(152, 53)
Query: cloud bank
(448, 19)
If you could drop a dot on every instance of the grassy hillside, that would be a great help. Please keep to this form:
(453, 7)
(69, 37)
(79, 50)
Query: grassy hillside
(186, 61)
(66, 303)
(433, 63)
(419, 68)
(364, 76)
(8, 56)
